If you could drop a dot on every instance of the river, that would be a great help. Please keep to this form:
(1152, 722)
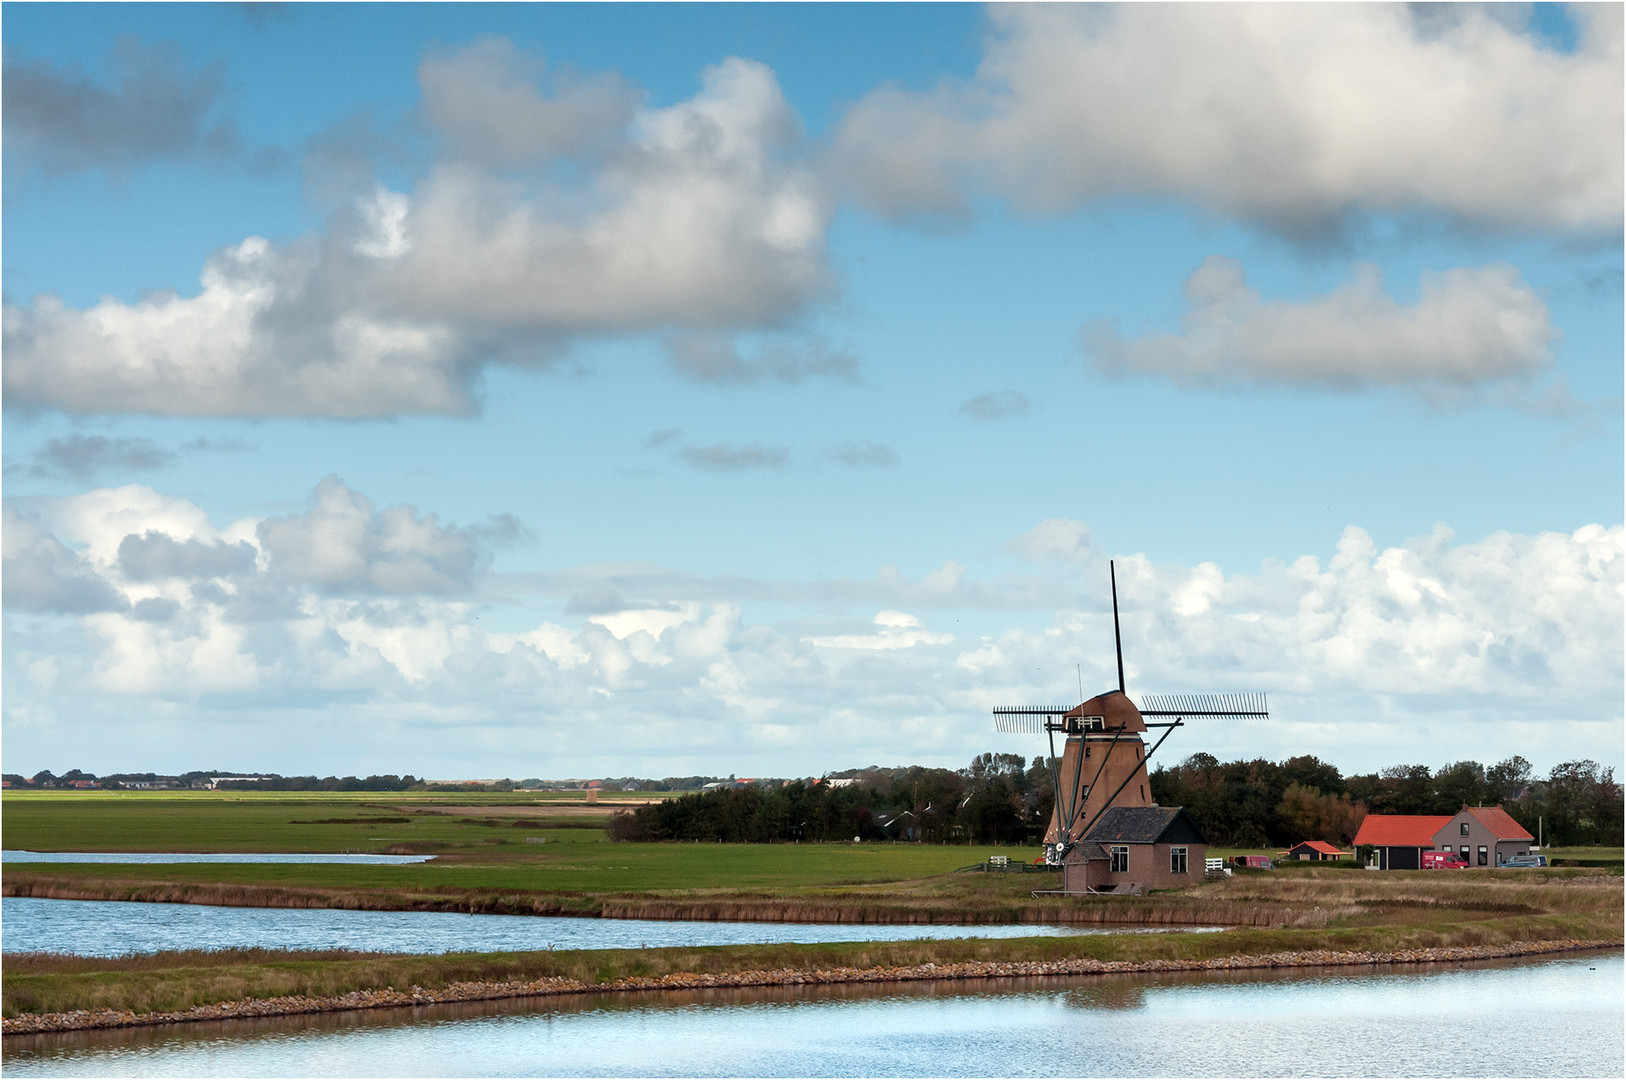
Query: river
(1557, 1017)
(114, 927)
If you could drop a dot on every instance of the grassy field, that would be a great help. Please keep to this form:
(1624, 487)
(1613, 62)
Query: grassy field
(529, 851)
(486, 847)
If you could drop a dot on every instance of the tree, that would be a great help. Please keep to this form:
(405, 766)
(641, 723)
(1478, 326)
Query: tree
(1403, 789)
(1310, 814)
(1462, 783)
(1508, 781)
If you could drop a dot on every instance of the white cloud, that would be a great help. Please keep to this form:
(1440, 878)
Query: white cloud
(1289, 115)
(1432, 649)
(898, 630)
(1469, 325)
(695, 218)
(485, 102)
(344, 544)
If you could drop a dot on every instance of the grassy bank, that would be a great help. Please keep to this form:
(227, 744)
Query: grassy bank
(176, 981)
(1329, 910)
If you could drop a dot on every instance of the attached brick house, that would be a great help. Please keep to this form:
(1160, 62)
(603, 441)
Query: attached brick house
(1134, 848)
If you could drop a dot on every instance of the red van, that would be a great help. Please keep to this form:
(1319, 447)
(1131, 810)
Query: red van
(1442, 860)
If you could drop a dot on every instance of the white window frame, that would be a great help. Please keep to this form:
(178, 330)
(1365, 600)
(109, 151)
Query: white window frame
(1119, 853)
(1178, 860)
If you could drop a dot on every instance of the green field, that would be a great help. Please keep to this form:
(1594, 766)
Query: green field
(481, 842)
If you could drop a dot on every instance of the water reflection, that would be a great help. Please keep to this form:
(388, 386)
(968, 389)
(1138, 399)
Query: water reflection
(1329, 1022)
(116, 927)
(156, 858)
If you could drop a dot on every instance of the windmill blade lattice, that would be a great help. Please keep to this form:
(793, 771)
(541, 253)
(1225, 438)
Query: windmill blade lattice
(1236, 705)
(1025, 719)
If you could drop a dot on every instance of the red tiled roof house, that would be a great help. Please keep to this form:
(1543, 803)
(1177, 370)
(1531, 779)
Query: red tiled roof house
(1400, 839)
(1316, 851)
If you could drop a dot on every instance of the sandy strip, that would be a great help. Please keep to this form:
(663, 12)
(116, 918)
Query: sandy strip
(30, 1023)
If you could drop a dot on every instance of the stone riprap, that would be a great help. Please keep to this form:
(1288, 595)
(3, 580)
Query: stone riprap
(390, 997)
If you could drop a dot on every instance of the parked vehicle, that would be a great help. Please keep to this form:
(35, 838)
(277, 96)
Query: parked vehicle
(1526, 861)
(1253, 862)
(1442, 860)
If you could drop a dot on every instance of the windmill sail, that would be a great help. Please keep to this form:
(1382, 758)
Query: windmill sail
(1025, 719)
(1240, 705)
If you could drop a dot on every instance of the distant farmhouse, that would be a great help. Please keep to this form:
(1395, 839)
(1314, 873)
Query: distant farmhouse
(1316, 851)
(1478, 835)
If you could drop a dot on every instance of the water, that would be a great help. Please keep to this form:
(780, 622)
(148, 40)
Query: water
(1527, 1018)
(18, 856)
(111, 928)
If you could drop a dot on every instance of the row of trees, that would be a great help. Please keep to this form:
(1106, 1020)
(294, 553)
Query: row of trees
(999, 798)
(1263, 803)
(1003, 798)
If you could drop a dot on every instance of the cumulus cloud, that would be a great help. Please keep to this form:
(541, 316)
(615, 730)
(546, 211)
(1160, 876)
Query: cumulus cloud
(996, 405)
(1293, 116)
(897, 630)
(1470, 325)
(42, 574)
(155, 555)
(344, 544)
(1367, 646)
(697, 220)
(485, 102)
(712, 359)
(63, 121)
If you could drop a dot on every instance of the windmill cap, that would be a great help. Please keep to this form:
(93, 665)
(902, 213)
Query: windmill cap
(1115, 709)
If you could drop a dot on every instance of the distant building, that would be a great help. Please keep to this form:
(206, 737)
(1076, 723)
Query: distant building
(215, 781)
(1133, 848)
(1484, 836)
(1478, 835)
(1316, 851)
(1400, 839)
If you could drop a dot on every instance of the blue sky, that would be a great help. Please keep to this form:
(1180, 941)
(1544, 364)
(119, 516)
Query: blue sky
(592, 390)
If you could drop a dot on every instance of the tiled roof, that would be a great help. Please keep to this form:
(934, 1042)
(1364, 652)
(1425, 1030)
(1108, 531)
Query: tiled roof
(1499, 822)
(1133, 824)
(1401, 830)
(1321, 846)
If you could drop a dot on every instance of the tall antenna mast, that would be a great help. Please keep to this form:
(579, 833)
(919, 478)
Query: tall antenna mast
(1117, 635)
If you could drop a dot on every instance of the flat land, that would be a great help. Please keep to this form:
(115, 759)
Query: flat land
(522, 854)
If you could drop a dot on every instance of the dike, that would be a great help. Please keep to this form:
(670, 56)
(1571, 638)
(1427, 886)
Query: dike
(29, 1024)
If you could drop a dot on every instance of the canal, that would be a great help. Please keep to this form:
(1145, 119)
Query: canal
(1554, 1017)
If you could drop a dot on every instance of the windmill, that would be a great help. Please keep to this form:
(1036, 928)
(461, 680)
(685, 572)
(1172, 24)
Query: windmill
(1103, 759)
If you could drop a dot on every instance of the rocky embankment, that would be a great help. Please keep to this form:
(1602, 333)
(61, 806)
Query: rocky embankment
(483, 991)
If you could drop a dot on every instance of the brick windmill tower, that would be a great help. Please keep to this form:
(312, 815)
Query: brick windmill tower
(1104, 753)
